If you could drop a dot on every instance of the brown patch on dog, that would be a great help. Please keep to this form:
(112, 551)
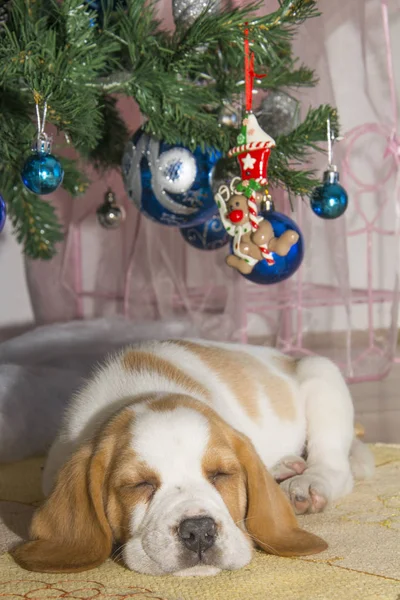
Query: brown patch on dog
(270, 520)
(279, 393)
(125, 473)
(234, 369)
(136, 360)
(286, 364)
(223, 470)
(71, 532)
(241, 372)
(131, 482)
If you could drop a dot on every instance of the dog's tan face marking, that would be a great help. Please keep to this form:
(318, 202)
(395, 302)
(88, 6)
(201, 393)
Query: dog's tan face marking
(145, 361)
(131, 483)
(242, 373)
(221, 467)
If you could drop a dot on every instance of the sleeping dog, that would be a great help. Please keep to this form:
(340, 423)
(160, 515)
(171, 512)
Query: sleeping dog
(186, 455)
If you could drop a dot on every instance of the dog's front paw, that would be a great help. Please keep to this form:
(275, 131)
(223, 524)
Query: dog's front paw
(288, 467)
(307, 493)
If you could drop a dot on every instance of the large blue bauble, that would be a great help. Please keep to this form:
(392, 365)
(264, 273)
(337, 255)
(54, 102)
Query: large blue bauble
(329, 200)
(169, 184)
(3, 213)
(42, 173)
(284, 266)
(209, 235)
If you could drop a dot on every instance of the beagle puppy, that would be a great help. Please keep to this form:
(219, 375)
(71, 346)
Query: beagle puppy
(185, 455)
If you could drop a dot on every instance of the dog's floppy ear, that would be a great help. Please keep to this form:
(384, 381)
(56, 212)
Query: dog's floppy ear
(70, 532)
(270, 519)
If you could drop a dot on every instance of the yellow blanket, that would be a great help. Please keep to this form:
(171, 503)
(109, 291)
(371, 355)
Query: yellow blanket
(362, 562)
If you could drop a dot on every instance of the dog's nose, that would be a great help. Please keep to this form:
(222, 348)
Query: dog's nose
(198, 534)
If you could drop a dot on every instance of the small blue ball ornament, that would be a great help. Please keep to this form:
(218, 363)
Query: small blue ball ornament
(209, 235)
(170, 184)
(285, 266)
(329, 200)
(98, 6)
(42, 173)
(3, 213)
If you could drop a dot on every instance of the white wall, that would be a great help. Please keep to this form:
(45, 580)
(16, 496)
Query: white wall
(15, 306)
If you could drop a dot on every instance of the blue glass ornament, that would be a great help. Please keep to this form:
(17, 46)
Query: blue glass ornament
(285, 266)
(3, 213)
(97, 6)
(170, 184)
(42, 173)
(209, 235)
(329, 200)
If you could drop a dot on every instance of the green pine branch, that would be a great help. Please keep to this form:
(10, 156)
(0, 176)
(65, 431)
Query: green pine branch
(306, 138)
(64, 54)
(34, 222)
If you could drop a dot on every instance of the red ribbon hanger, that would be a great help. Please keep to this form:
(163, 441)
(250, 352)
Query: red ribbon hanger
(249, 73)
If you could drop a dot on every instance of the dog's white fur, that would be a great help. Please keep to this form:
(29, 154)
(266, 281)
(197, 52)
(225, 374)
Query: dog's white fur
(173, 444)
(182, 437)
(324, 411)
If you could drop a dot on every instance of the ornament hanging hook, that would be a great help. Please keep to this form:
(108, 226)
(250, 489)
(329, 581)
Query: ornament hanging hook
(331, 139)
(43, 142)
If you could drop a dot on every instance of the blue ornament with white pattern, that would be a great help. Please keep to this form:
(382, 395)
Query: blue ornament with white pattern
(170, 184)
(3, 213)
(209, 235)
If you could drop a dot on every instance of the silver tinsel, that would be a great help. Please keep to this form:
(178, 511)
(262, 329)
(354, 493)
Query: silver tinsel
(279, 113)
(187, 11)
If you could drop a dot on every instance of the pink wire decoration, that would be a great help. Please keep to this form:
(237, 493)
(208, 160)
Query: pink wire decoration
(298, 296)
(294, 297)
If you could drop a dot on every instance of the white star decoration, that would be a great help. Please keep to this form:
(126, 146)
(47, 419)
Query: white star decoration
(248, 162)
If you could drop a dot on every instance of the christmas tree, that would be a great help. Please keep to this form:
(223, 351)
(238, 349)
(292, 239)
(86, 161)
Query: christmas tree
(71, 58)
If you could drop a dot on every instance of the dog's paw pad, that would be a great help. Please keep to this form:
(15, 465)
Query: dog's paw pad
(318, 501)
(288, 467)
(305, 494)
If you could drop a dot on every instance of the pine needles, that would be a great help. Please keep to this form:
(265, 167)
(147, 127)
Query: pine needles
(77, 60)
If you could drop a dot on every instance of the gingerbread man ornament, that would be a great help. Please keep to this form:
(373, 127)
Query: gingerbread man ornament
(239, 203)
(249, 247)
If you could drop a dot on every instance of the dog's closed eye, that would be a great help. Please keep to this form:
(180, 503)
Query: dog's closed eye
(218, 476)
(147, 489)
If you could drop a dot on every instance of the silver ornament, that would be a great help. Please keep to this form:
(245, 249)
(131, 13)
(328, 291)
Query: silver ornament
(187, 11)
(279, 113)
(110, 215)
(231, 114)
